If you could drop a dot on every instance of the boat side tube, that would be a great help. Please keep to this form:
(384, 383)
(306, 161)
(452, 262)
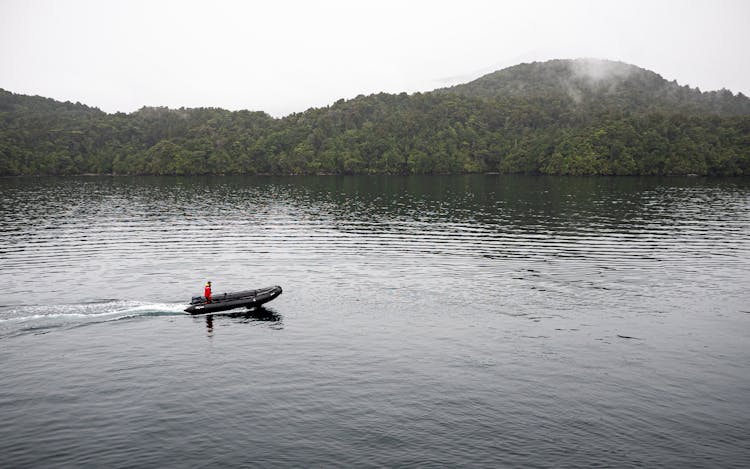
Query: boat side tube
(226, 301)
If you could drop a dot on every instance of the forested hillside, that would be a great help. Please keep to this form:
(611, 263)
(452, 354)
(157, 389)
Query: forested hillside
(556, 117)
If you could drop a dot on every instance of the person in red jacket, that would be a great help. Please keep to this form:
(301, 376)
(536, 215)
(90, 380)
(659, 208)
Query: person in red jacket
(207, 292)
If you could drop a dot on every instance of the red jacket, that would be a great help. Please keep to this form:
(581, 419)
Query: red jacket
(207, 292)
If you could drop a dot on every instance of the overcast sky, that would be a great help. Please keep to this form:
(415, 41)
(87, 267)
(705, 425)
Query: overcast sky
(286, 56)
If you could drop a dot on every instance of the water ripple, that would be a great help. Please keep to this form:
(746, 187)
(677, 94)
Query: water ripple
(437, 321)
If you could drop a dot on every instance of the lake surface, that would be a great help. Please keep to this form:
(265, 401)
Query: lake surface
(462, 321)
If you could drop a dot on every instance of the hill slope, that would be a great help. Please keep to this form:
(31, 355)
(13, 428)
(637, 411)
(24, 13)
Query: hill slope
(556, 117)
(605, 83)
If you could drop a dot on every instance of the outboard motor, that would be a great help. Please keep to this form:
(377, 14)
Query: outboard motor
(197, 300)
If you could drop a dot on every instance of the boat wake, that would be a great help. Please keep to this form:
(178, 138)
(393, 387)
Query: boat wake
(40, 319)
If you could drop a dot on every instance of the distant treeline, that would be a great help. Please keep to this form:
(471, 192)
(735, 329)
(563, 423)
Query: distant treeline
(557, 117)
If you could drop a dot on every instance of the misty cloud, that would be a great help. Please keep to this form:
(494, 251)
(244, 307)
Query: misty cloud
(598, 70)
(606, 75)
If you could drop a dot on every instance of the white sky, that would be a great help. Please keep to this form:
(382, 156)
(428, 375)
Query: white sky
(285, 56)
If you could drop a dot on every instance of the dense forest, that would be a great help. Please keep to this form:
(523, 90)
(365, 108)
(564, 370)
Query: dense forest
(572, 117)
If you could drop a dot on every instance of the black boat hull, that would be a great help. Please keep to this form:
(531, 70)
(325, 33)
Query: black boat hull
(227, 301)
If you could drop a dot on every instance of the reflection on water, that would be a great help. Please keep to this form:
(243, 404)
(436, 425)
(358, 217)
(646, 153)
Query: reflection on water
(70, 240)
(263, 315)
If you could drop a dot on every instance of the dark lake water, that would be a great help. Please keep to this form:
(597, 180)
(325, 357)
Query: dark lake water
(463, 321)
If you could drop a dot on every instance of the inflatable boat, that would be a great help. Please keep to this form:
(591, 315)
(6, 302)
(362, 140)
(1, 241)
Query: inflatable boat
(225, 301)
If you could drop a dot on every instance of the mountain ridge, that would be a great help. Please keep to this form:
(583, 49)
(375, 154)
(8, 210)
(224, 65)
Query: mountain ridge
(597, 71)
(600, 79)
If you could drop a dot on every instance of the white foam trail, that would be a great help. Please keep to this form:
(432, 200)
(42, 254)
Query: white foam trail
(151, 309)
(160, 307)
(70, 314)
